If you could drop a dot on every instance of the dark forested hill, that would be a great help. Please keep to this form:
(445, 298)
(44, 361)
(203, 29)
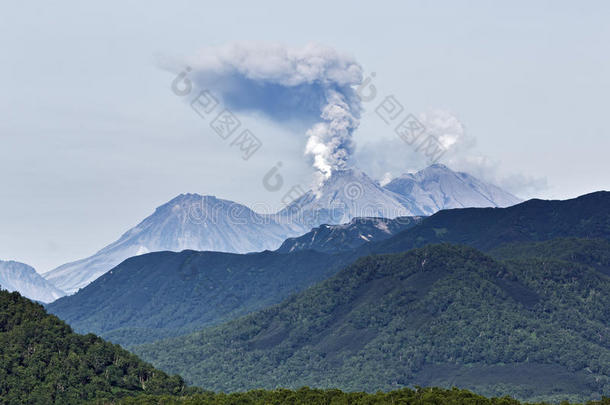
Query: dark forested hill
(592, 252)
(587, 216)
(535, 327)
(43, 362)
(164, 294)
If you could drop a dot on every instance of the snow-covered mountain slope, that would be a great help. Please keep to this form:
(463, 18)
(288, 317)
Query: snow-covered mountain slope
(20, 277)
(345, 195)
(437, 187)
(192, 221)
(189, 221)
(336, 238)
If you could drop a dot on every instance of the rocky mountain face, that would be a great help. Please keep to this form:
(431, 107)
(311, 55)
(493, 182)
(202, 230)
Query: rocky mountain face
(20, 277)
(357, 232)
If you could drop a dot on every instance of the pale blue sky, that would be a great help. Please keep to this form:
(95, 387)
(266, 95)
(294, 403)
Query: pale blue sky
(92, 139)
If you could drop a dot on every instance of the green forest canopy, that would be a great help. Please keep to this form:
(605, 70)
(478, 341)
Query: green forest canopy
(43, 362)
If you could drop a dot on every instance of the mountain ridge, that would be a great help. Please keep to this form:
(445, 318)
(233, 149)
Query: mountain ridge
(145, 287)
(333, 238)
(179, 292)
(586, 216)
(192, 221)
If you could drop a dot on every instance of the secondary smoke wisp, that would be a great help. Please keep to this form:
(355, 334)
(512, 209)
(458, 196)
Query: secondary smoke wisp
(312, 84)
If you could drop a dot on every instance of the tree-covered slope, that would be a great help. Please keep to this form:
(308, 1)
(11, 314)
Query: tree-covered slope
(162, 294)
(308, 396)
(587, 216)
(591, 252)
(440, 315)
(43, 362)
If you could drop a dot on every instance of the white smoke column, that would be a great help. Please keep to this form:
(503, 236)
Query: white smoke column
(330, 142)
(308, 84)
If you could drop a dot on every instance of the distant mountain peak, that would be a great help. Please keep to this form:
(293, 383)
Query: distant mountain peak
(343, 176)
(188, 221)
(346, 194)
(438, 187)
(16, 276)
(184, 201)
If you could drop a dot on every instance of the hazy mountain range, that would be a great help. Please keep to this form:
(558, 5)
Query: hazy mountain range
(15, 276)
(164, 293)
(521, 310)
(192, 221)
(161, 294)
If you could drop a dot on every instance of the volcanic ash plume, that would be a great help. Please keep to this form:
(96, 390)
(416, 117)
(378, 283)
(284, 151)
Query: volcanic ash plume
(313, 85)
